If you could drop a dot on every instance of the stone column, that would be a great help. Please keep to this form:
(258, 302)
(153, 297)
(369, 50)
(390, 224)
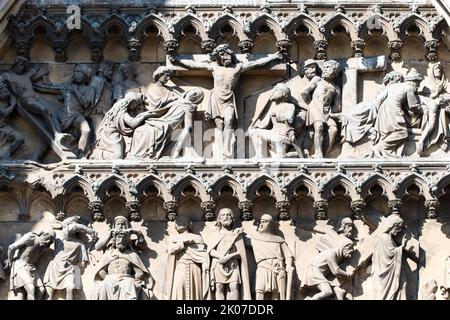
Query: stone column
(133, 208)
(395, 205)
(432, 47)
(96, 208)
(208, 210)
(432, 207)
(395, 46)
(171, 47)
(321, 209)
(246, 207)
(321, 49)
(283, 210)
(171, 208)
(246, 46)
(358, 48)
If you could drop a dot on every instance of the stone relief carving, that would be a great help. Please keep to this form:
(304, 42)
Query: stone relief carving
(11, 139)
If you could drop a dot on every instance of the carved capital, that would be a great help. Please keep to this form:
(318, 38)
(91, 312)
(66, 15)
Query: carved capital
(133, 208)
(171, 208)
(246, 46)
(133, 49)
(96, 208)
(23, 48)
(208, 210)
(208, 46)
(357, 207)
(358, 47)
(171, 47)
(60, 48)
(432, 47)
(283, 46)
(395, 46)
(395, 205)
(24, 216)
(321, 49)
(246, 207)
(321, 209)
(432, 207)
(60, 216)
(283, 210)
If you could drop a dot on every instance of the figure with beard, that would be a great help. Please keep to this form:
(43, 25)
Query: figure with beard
(187, 254)
(347, 228)
(121, 223)
(227, 275)
(274, 262)
(23, 257)
(122, 273)
(323, 98)
(324, 271)
(71, 254)
(280, 118)
(388, 274)
(226, 70)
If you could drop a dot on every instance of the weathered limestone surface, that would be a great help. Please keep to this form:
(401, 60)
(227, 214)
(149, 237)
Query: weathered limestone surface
(273, 150)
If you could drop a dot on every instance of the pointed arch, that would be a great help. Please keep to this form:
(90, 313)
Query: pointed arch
(114, 20)
(238, 28)
(305, 180)
(113, 180)
(227, 180)
(342, 180)
(418, 21)
(86, 30)
(307, 21)
(386, 27)
(342, 20)
(79, 181)
(189, 180)
(153, 180)
(377, 179)
(153, 20)
(42, 21)
(269, 21)
(264, 180)
(194, 21)
(414, 179)
(438, 28)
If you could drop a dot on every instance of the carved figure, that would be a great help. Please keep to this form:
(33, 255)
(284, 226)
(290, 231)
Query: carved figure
(160, 95)
(279, 118)
(71, 254)
(10, 139)
(274, 262)
(187, 254)
(394, 117)
(20, 82)
(323, 98)
(347, 228)
(226, 70)
(150, 139)
(102, 83)
(121, 120)
(324, 272)
(23, 257)
(121, 272)
(227, 275)
(126, 82)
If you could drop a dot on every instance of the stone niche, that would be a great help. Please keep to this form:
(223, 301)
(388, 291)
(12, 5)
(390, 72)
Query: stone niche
(130, 116)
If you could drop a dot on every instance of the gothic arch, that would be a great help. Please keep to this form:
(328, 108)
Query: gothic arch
(114, 180)
(414, 179)
(153, 20)
(153, 180)
(303, 179)
(306, 20)
(194, 21)
(342, 180)
(269, 21)
(117, 21)
(227, 180)
(418, 21)
(264, 180)
(189, 180)
(79, 181)
(344, 21)
(48, 25)
(386, 27)
(214, 30)
(377, 179)
(86, 31)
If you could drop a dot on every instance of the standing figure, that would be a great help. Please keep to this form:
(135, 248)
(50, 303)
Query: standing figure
(126, 82)
(323, 98)
(280, 118)
(121, 120)
(226, 266)
(121, 273)
(226, 70)
(274, 262)
(10, 139)
(64, 271)
(388, 274)
(393, 121)
(323, 272)
(187, 254)
(102, 83)
(20, 82)
(23, 257)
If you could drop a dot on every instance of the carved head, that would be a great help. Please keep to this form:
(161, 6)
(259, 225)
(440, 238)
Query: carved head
(225, 218)
(182, 224)
(46, 238)
(224, 56)
(310, 69)
(107, 68)
(393, 225)
(280, 93)
(414, 78)
(344, 249)
(121, 223)
(81, 74)
(162, 74)
(121, 240)
(20, 65)
(330, 70)
(127, 70)
(393, 77)
(438, 71)
(132, 101)
(265, 223)
(346, 228)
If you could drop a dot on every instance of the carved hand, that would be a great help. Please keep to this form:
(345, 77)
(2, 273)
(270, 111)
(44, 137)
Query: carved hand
(207, 116)
(7, 264)
(225, 259)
